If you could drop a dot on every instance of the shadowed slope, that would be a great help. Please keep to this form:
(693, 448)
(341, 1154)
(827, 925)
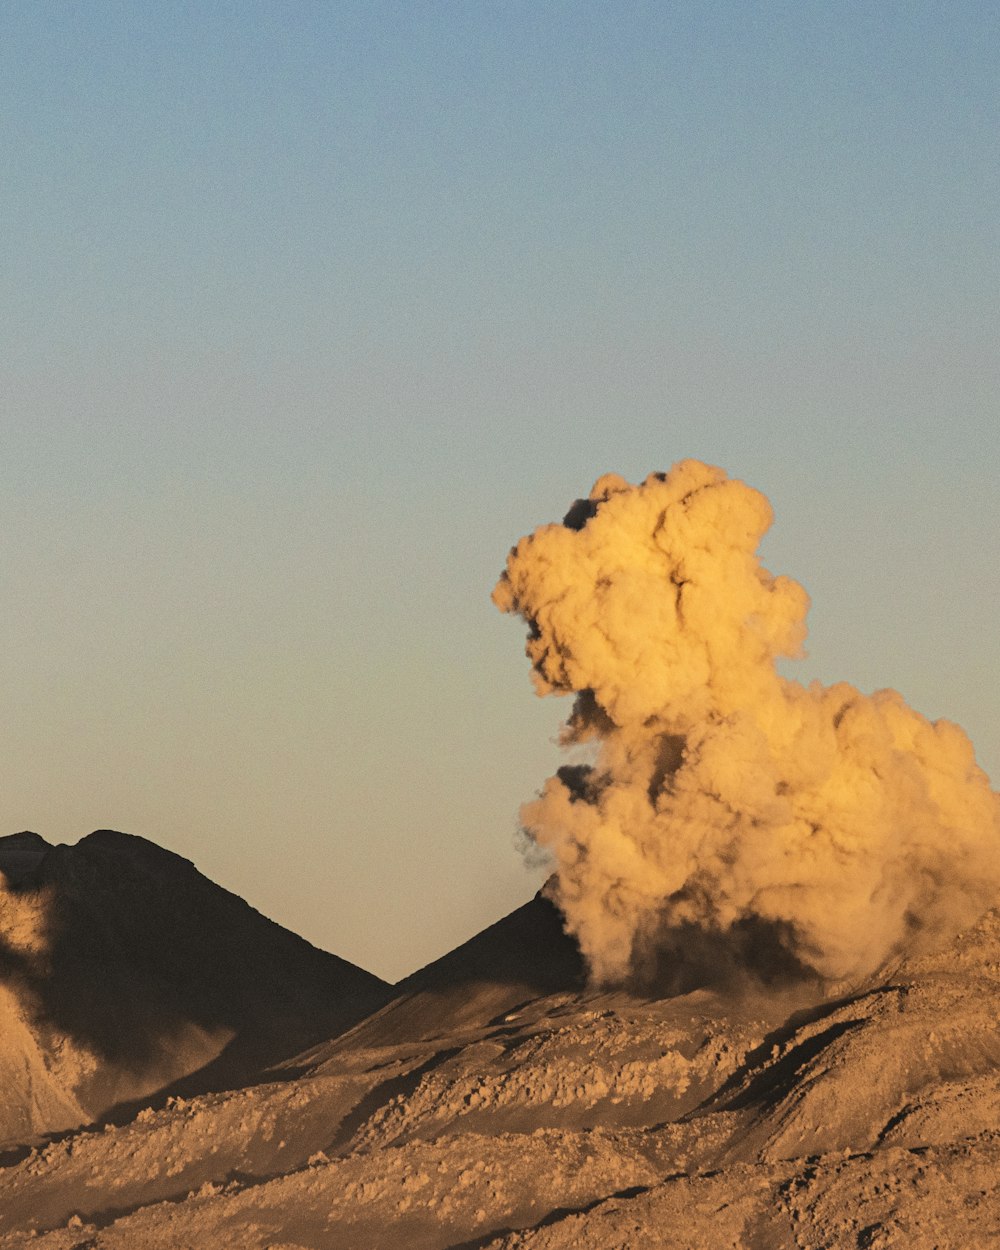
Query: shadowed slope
(525, 955)
(129, 971)
(529, 948)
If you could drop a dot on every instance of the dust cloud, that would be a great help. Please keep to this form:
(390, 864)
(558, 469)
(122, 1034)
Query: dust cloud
(708, 795)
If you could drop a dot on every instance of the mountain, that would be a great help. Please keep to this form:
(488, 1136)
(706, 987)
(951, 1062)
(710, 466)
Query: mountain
(124, 971)
(498, 1103)
(525, 955)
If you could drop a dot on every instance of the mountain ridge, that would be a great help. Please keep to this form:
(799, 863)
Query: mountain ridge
(130, 972)
(497, 1101)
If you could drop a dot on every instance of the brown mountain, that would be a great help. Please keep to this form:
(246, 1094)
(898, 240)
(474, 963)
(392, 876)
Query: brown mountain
(523, 956)
(497, 1103)
(124, 971)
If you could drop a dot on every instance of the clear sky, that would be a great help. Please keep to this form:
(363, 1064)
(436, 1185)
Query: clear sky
(311, 310)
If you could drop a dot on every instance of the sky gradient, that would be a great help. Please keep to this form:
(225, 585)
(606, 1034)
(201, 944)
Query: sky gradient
(311, 311)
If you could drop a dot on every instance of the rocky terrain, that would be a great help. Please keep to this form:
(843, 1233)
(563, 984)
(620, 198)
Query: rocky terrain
(493, 1100)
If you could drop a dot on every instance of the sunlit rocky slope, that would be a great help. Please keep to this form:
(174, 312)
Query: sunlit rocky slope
(495, 1101)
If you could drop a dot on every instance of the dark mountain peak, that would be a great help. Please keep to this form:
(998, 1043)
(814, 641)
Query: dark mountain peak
(525, 955)
(20, 855)
(116, 840)
(160, 975)
(26, 838)
(529, 947)
(113, 843)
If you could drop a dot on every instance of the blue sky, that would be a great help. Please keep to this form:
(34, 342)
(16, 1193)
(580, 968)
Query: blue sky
(311, 310)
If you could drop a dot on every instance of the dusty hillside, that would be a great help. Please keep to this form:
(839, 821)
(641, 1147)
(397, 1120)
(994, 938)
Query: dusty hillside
(477, 1111)
(123, 971)
(520, 958)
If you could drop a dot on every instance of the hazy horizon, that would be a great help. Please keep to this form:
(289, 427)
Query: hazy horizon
(313, 311)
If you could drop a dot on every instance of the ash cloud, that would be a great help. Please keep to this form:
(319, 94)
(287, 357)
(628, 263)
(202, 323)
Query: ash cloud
(717, 797)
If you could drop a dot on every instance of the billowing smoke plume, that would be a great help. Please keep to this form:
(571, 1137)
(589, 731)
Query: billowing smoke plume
(718, 797)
